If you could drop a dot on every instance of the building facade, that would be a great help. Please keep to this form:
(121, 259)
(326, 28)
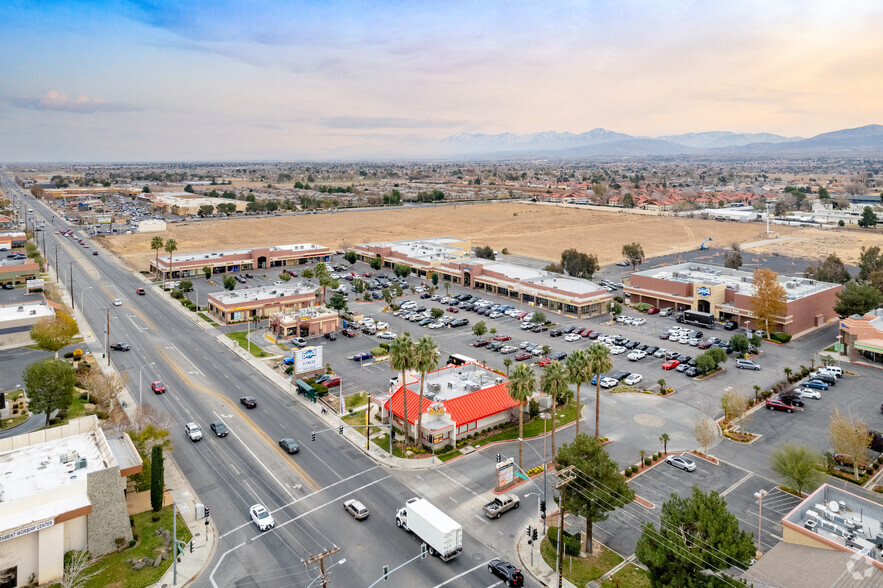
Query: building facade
(305, 322)
(726, 293)
(64, 489)
(450, 259)
(261, 302)
(187, 265)
(861, 337)
(18, 273)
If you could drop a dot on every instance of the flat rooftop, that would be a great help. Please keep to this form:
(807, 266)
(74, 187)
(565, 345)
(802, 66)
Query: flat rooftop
(738, 280)
(308, 312)
(844, 518)
(36, 309)
(213, 255)
(45, 466)
(431, 249)
(453, 382)
(292, 288)
(528, 275)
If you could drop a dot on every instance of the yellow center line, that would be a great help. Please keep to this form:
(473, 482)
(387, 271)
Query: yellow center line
(141, 315)
(246, 419)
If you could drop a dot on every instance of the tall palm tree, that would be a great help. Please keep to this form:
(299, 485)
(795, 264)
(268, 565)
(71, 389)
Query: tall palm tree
(426, 360)
(579, 370)
(664, 438)
(157, 243)
(521, 386)
(170, 247)
(599, 358)
(508, 363)
(554, 383)
(401, 357)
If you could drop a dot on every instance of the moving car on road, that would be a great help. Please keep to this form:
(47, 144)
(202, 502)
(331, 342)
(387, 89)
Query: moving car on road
(289, 445)
(261, 517)
(193, 431)
(120, 346)
(356, 508)
(218, 428)
(158, 387)
(504, 570)
(248, 402)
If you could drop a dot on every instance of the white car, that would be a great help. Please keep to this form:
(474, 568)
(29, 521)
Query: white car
(386, 335)
(608, 382)
(572, 337)
(261, 517)
(117, 302)
(636, 355)
(526, 326)
(381, 326)
(409, 304)
(639, 321)
(633, 379)
(435, 325)
(278, 283)
(617, 350)
(495, 314)
(809, 393)
(193, 431)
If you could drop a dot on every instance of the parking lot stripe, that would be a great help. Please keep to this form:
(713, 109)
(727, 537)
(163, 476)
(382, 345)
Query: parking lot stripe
(736, 485)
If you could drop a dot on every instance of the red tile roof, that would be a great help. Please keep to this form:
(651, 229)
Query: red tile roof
(463, 409)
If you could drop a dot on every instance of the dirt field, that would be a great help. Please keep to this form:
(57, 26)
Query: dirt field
(817, 244)
(530, 230)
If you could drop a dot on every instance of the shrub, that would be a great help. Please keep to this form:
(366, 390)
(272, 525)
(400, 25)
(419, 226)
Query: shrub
(289, 369)
(377, 351)
(177, 294)
(571, 542)
(766, 394)
(155, 517)
(61, 414)
(384, 346)
(840, 223)
(634, 469)
(69, 355)
(628, 473)
(647, 461)
(618, 299)
(780, 337)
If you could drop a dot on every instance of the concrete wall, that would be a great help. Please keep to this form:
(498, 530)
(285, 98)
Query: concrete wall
(109, 519)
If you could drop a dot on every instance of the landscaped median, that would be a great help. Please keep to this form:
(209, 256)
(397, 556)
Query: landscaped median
(241, 337)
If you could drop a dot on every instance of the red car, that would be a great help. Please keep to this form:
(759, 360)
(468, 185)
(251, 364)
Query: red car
(671, 364)
(331, 381)
(140, 291)
(158, 387)
(585, 332)
(521, 356)
(776, 404)
(653, 310)
(704, 345)
(348, 333)
(367, 274)
(544, 362)
(502, 338)
(453, 309)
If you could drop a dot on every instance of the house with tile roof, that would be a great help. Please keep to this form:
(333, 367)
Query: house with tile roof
(458, 402)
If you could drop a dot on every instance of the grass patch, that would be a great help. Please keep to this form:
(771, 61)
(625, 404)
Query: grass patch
(355, 400)
(531, 428)
(382, 442)
(117, 572)
(33, 346)
(582, 570)
(359, 419)
(449, 455)
(241, 338)
(207, 318)
(631, 576)
(283, 347)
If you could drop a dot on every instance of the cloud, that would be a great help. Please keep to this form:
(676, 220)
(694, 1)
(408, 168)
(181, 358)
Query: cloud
(388, 122)
(54, 100)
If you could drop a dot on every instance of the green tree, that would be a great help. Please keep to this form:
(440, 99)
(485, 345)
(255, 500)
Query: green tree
(157, 243)
(704, 363)
(284, 276)
(823, 194)
(634, 254)
(521, 387)
(486, 252)
(434, 278)
(351, 257)
(798, 467)
(54, 333)
(188, 188)
(733, 259)
(598, 488)
(403, 357)
(578, 264)
(207, 271)
(599, 359)
(145, 189)
(869, 261)
(538, 317)
(553, 383)
(185, 286)
(170, 247)
(401, 270)
(628, 201)
(479, 328)
(49, 384)
(546, 350)
(376, 263)
(206, 209)
(696, 535)
(426, 356)
(308, 273)
(394, 198)
(337, 302)
(507, 363)
(832, 269)
(157, 478)
(358, 286)
(229, 282)
(868, 218)
(579, 371)
(739, 343)
(664, 439)
(857, 299)
(436, 313)
(323, 275)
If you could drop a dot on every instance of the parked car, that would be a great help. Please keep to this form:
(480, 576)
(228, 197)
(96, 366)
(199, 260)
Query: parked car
(815, 384)
(653, 310)
(362, 356)
(289, 445)
(248, 401)
(502, 338)
(809, 393)
(776, 404)
(558, 356)
(636, 355)
(261, 517)
(522, 355)
(331, 381)
(633, 379)
(330, 336)
(348, 333)
(682, 462)
(746, 364)
(692, 371)
(607, 382)
(572, 337)
(730, 326)
(670, 364)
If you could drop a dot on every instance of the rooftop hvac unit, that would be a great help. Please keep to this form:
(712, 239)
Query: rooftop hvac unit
(748, 279)
(69, 456)
(463, 377)
(810, 525)
(473, 386)
(33, 311)
(80, 463)
(435, 387)
(498, 379)
(790, 285)
(674, 274)
(450, 385)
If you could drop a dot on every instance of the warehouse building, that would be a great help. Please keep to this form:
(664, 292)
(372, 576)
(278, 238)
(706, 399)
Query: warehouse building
(726, 293)
(450, 258)
(184, 265)
(241, 305)
(63, 489)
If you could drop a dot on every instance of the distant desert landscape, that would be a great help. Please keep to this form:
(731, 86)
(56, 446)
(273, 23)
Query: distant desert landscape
(526, 229)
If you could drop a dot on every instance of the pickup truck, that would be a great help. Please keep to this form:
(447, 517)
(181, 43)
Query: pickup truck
(501, 504)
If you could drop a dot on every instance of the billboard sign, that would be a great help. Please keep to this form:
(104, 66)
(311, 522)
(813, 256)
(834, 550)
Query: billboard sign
(308, 359)
(38, 283)
(505, 472)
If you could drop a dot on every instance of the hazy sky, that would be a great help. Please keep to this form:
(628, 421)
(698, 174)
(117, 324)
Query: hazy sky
(257, 79)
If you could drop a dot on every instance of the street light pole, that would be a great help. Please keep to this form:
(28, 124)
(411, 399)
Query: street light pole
(759, 495)
(139, 379)
(82, 293)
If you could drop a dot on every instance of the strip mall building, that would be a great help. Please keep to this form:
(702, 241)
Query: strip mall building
(184, 265)
(726, 293)
(451, 259)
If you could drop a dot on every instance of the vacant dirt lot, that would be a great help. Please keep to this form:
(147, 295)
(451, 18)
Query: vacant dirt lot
(817, 244)
(530, 230)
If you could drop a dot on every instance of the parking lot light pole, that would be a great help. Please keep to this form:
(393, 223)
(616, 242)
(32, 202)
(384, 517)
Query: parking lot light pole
(759, 495)
(140, 382)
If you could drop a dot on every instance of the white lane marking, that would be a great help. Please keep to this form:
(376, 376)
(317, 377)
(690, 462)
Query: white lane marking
(134, 323)
(736, 485)
(458, 576)
(474, 493)
(187, 360)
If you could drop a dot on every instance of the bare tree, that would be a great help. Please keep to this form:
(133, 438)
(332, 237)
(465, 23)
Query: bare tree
(105, 388)
(849, 436)
(735, 406)
(703, 431)
(854, 188)
(75, 570)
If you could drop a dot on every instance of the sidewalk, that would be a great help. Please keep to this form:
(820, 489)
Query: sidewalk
(539, 569)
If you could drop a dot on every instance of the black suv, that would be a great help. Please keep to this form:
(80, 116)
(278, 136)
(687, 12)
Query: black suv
(511, 575)
(120, 346)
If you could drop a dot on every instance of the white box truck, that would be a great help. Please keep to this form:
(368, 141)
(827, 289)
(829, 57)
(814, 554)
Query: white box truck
(442, 534)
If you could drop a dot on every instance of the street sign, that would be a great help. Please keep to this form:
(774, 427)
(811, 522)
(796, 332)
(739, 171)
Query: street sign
(505, 472)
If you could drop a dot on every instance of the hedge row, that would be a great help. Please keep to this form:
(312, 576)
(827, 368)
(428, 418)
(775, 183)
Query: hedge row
(571, 542)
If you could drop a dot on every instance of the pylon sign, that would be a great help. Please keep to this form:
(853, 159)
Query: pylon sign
(505, 472)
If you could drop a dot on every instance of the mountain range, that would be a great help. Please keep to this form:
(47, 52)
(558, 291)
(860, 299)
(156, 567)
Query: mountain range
(860, 141)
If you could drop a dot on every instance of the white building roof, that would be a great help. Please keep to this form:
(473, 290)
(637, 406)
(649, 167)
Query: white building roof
(538, 277)
(292, 288)
(36, 309)
(432, 249)
(211, 255)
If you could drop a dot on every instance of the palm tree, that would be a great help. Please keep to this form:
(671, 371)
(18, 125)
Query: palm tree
(664, 438)
(401, 358)
(579, 370)
(554, 383)
(546, 350)
(643, 454)
(426, 360)
(599, 358)
(171, 247)
(756, 393)
(508, 363)
(521, 387)
(787, 371)
(157, 243)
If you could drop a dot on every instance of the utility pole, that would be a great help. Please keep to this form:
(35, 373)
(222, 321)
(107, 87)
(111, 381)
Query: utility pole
(320, 557)
(71, 287)
(107, 338)
(565, 477)
(56, 263)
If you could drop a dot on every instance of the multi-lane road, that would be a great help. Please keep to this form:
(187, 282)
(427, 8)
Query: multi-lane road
(304, 492)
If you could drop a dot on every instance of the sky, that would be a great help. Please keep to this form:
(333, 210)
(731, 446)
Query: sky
(208, 80)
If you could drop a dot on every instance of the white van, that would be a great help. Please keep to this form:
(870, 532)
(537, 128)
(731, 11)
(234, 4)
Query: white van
(833, 370)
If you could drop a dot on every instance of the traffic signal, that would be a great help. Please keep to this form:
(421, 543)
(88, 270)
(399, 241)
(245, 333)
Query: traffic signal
(499, 458)
(535, 535)
(542, 509)
(340, 430)
(528, 530)
(206, 512)
(393, 430)
(423, 551)
(313, 435)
